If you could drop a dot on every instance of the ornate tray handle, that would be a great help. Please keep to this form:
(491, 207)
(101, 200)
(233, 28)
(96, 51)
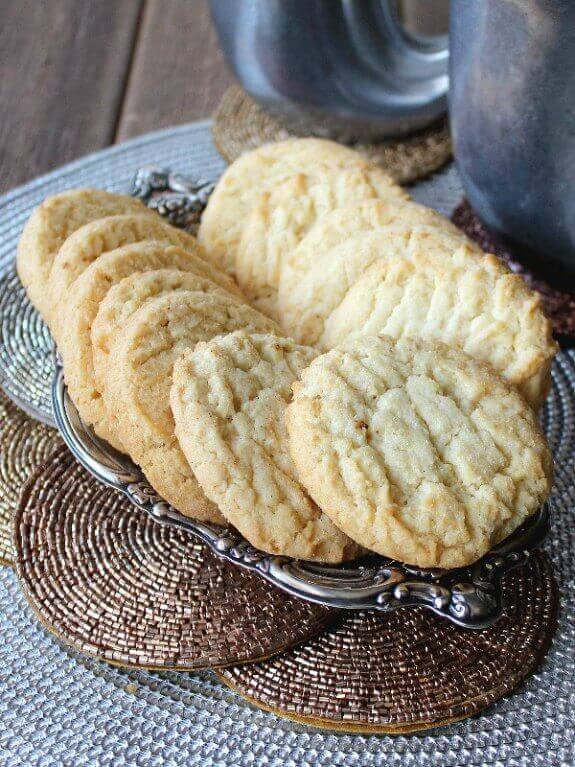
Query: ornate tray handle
(179, 199)
(469, 597)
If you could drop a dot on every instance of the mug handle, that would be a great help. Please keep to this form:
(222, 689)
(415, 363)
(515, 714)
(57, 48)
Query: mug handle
(412, 68)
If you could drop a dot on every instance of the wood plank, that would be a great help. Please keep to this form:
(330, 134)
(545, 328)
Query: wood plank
(63, 67)
(178, 72)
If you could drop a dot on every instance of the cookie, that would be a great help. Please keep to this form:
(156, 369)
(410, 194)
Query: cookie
(466, 300)
(85, 295)
(331, 273)
(121, 269)
(237, 190)
(415, 450)
(139, 375)
(330, 231)
(52, 223)
(125, 298)
(228, 399)
(282, 216)
(89, 242)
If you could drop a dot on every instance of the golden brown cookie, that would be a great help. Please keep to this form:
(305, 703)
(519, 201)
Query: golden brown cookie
(53, 222)
(300, 267)
(86, 244)
(282, 216)
(465, 299)
(417, 451)
(112, 275)
(331, 272)
(228, 398)
(139, 376)
(237, 190)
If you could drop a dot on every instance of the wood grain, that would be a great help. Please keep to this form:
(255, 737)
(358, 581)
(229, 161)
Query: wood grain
(77, 76)
(178, 73)
(63, 68)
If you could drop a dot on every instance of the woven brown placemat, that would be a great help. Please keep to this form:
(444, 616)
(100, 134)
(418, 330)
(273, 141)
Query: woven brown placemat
(241, 125)
(24, 445)
(111, 582)
(408, 670)
(559, 305)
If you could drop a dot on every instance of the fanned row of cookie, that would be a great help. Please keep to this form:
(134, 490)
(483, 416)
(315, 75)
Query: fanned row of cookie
(331, 368)
(328, 245)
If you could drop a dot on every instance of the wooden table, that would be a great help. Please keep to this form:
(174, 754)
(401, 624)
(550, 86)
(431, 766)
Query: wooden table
(78, 75)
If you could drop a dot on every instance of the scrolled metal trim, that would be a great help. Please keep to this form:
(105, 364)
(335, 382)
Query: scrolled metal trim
(469, 597)
(177, 198)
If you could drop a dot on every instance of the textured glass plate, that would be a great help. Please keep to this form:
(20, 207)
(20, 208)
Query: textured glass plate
(57, 708)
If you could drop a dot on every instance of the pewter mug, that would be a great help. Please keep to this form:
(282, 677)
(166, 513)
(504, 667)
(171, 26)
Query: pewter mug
(512, 109)
(341, 68)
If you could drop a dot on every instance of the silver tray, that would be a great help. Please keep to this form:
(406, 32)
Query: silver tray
(469, 597)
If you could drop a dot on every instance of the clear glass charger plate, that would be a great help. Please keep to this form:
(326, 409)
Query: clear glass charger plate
(57, 708)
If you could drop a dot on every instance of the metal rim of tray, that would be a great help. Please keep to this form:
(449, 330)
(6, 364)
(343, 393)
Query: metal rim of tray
(469, 597)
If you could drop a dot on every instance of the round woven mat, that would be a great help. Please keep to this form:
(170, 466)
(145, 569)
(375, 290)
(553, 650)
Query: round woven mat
(409, 670)
(24, 445)
(559, 305)
(111, 582)
(241, 125)
(25, 350)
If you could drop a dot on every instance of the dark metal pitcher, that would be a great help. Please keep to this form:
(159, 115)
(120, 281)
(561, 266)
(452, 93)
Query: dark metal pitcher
(512, 107)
